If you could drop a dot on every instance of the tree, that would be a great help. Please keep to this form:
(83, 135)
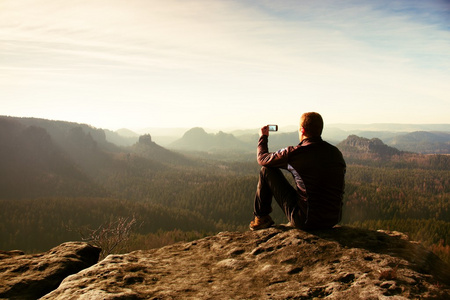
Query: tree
(110, 236)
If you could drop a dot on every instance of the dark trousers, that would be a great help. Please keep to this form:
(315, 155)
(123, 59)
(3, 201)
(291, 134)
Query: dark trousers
(272, 183)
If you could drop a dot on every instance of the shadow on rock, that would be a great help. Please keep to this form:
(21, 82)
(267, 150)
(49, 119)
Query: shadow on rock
(392, 243)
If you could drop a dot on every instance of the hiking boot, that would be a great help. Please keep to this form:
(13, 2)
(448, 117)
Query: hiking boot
(261, 223)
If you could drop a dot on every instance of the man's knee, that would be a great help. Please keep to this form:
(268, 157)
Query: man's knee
(268, 171)
(273, 176)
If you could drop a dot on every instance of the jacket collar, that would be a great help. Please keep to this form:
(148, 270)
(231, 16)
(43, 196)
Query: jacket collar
(311, 140)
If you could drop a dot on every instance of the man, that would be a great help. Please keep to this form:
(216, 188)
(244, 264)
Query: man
(318, 169)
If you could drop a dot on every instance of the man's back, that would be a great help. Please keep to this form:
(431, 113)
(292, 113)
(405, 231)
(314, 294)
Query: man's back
(319, 170)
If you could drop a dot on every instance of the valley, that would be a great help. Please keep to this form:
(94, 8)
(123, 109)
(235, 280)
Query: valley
(61, 178)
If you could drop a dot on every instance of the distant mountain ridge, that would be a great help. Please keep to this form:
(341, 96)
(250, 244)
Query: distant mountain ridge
(420, 138)
(197, 139)
(391, 127)
(52, 158)
(33, 165)
(356, 144)
(422, 142)
(359, 149)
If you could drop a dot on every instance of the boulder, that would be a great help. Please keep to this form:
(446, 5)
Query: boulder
(34, 275)
(275, 263)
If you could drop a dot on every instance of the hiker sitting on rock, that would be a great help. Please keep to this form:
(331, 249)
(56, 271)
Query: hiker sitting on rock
(318, 169)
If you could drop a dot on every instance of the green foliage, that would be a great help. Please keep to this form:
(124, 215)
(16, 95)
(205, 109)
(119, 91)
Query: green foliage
(415, 201)
(39, 224)
(46, 191)
(384, 193)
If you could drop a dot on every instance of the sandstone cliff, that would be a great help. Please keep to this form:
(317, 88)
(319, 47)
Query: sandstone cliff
(32, 276)
(276, 263)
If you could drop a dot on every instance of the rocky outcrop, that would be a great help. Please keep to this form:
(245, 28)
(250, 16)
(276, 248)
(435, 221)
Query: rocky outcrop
(145, 139)
(32, 276)
(276, 263)
(355, 144)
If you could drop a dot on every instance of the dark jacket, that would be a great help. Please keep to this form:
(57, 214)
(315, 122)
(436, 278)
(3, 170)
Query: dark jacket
(318, 169)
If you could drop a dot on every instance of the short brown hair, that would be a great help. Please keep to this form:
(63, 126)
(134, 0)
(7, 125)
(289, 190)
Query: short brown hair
(312, 123)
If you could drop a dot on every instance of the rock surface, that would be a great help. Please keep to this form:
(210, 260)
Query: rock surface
(32, 276)
(275, 263)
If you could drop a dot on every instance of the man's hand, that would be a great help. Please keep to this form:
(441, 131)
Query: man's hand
(264, 131)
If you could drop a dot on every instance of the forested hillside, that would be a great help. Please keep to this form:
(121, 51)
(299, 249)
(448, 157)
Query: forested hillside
(58, 181)
(33, 165)
(423, 142)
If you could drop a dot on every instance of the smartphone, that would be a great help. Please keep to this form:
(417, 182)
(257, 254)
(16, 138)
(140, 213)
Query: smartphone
(273, 127)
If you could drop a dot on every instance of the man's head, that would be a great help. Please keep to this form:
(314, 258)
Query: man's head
(311, 125)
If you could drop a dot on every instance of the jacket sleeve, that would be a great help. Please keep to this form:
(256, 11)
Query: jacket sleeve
(265, 158)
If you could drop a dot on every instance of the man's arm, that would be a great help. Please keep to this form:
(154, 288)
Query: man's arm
(269, 159)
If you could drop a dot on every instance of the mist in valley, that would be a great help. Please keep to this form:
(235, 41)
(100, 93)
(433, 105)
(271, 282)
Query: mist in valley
(60, 179)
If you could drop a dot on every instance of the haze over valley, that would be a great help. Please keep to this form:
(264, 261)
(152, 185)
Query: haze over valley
(60, 179)
(420, 138)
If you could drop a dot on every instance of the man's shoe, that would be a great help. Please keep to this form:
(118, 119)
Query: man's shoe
(261, 223)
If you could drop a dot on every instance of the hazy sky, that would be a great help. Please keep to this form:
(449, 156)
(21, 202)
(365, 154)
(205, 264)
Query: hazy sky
(220, 64)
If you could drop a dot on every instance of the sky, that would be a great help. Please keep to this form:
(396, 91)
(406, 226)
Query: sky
(225, 63)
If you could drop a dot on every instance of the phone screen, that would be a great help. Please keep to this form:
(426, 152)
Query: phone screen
(273, 127)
